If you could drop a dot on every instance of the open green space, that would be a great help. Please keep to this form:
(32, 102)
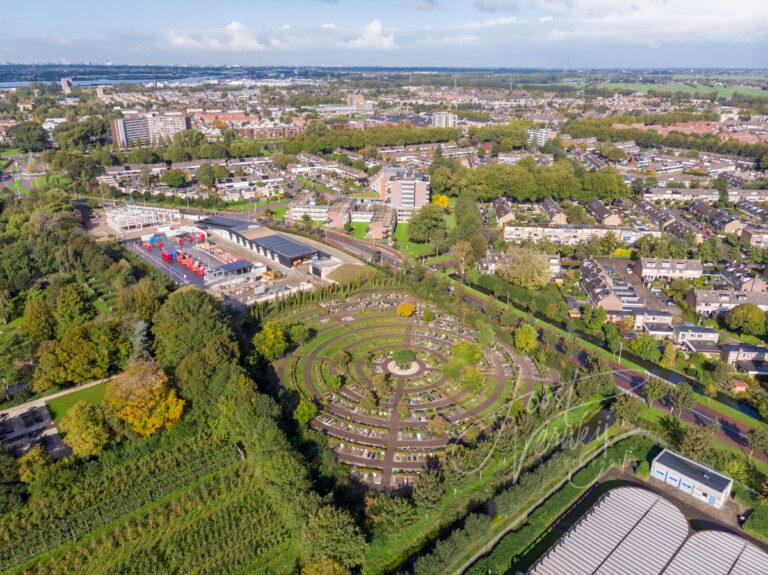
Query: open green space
(50, 180)
(727, 91)
(406, 246)
(360, 229)
(59, 406)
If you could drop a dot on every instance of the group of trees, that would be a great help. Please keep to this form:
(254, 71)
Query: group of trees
(747, 318)
(526, 181)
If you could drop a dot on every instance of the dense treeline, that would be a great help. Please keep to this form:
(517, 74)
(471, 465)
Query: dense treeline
(326, 141)
(527, 181)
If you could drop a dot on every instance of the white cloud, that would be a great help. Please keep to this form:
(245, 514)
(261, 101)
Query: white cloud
(329, 26)
(372, 37)
(234, 37)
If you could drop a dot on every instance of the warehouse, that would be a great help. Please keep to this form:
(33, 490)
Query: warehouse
(276, 247)
(692, 478)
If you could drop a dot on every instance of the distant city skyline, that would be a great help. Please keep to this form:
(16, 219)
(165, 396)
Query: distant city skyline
(469, 33)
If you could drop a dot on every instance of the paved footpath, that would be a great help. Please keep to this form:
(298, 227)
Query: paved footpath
(40, 401)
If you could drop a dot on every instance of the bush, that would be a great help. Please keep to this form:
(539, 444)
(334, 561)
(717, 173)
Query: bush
(757, 522)
(643, 470)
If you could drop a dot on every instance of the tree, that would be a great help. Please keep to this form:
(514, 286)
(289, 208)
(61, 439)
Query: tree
(669, 357)
(304, 412)
(627, 409)
(28, 137)
(612, 337)
(682, 397)
(428, 315)
(406, 309)
(471, 379)
(426, 224)
(324, 566)
(404, 358)
(525, 267)
(85, 428)
(464, 256)
(174, 178)
(205, 174)
(32, 463)
(646, 347)
(428, 489)
(73, 308)
(746, 318)
(697, 442)
(525, 338)
(441, 201)
(655, 390)
(185, 323)
(38, 322)
(332, 532)
(270, 342)
(299, 333)
(758, 439)
(141, 398)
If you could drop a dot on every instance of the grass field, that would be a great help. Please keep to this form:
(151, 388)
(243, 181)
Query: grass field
(19, 188)
(280, 212)
(727, 91)
(361, 228)
(61, 405)
(406, 246)
(50, 180)
(10, 152)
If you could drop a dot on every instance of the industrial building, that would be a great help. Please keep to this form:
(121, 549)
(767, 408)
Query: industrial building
(133, 217)
(691, 478)
(276, 247)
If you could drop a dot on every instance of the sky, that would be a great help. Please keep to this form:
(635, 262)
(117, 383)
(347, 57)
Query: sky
(470, 33)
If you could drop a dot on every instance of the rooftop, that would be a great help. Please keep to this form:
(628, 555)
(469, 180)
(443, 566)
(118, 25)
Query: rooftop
(691, 469)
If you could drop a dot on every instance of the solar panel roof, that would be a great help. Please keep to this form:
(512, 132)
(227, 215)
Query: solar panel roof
(284, 246)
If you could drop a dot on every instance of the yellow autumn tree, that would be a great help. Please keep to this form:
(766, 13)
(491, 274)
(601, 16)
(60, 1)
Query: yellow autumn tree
(140, 396)
(406, 309)
(440, 200)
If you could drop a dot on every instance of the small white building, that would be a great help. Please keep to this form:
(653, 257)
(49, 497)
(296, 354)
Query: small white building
(692, 478)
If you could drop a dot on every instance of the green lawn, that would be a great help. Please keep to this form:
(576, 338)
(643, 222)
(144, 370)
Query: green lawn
(360, 230)
(19, 188)
(61, 405)
(450, 221)
(727, 91)
(406, 246)
(280, 212)
(10, 152)
(50, 180)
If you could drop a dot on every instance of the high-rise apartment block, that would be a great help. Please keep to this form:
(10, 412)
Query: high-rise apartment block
(404, 190)
(444, 120)
(137, 128)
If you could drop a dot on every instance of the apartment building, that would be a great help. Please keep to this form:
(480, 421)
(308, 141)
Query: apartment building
(667, 269)
(755, 237)
(657, 215)
(381, 219)
(681, 195)
(404, 190)
(601, 213)
(502, 209)
(540, 136)
(751, 359)
(721, 221)
(571, 235)
(311, 206)
(689, 332)
(716, 302)
(553, 212)
(138, 128)
(608, 291)
(740, 277)
(753, 210)
(444, 120)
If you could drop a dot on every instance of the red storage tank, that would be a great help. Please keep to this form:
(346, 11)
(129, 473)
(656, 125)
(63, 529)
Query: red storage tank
(159, 245)
(166, 256)
(201, 271)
